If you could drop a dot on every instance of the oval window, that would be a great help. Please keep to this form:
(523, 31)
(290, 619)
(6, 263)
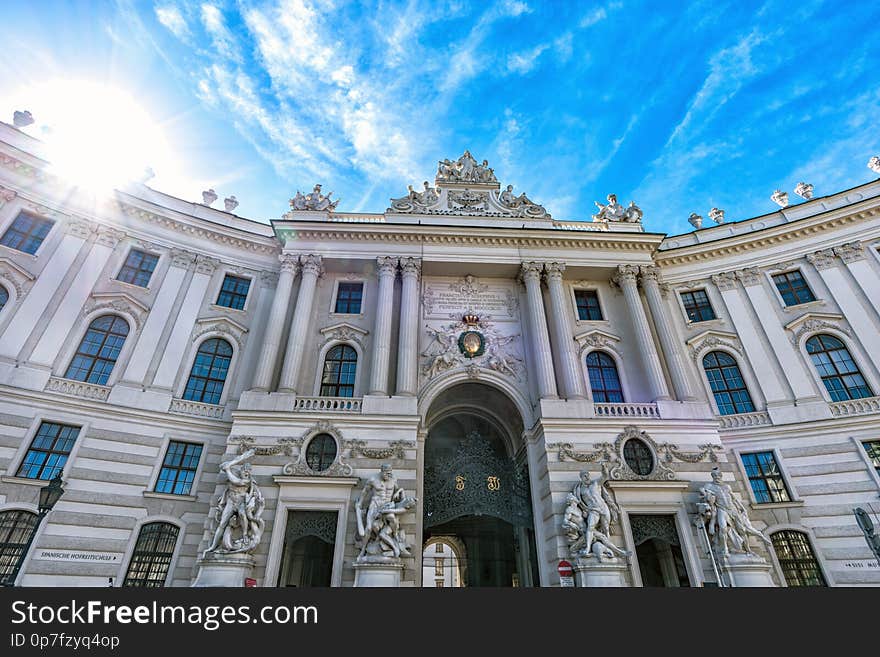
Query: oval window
(321, 452)
(638, 457)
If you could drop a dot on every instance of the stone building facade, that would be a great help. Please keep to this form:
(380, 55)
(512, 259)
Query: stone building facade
(486, 351)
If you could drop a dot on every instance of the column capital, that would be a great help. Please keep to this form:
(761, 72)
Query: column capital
(386, 266)
(554, 270)
(749, 276)
(80, 229)
(181, 258)
(410, 267)
(850, 252)
(724, 281)
(268, 278)
(531, 271)
(311, 264)
(626, 275)
(822, 259)
(206, 265)
(109, 236)
(289, 263)
(649, 273)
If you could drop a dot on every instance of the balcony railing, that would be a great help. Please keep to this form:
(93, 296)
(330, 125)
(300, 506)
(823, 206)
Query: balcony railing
(197, 409)
(738, 420)
(627, 410)
(328, 404)
(78, 388)
(864, 406)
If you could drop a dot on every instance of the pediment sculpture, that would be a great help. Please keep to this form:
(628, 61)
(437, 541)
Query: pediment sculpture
(614, 211)
(314, 201)
(468, 342)
(465, 169)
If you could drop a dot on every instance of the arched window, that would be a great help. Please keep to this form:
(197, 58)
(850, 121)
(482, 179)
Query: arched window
(799, 564)
(728, 386)
(16, 528)
(838, 370)
(209, 370)
(98, 350)
(4, 297)
(152, 555)
(340, 366)
(604, 380)
(321, 452)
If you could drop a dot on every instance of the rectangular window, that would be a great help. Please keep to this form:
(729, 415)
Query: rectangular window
(873, 450)
(438, 566)
(26, 233)
(138, 268)
(179, 468)
(793, 288)
(587, 302)
(697, 306)
(765, 478)
(348, 298)
(234, 292)
(48, 451)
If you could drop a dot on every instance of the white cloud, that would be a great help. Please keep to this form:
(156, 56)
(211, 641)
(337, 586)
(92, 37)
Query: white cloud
(593, 17)
(221, 37)
(525, 61)
(173, 20)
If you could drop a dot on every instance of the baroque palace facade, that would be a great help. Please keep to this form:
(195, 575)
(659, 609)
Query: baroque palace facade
(501, 367)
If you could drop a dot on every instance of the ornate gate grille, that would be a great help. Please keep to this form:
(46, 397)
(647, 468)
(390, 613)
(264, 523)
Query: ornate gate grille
(476, 481)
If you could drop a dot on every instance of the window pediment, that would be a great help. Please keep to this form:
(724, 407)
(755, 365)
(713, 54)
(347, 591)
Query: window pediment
(224, 325)
(344, 332)
(597, 339)
(20, 278)
(811, 322)
(118, 301)
(713, 338)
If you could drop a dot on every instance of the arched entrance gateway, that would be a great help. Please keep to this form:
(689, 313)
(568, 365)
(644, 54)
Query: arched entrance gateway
(476, 491)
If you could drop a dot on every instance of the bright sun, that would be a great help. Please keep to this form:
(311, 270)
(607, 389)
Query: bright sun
(96, 136)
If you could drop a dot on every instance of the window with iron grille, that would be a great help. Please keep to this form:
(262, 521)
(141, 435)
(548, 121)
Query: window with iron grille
(842, 378)
(604, 380)
(765, 478)
(588, 307)
(349, 297)
(697, 306)
(26, 233)
(728, 386)
(152, 555)
(321, 452)
(49, 451)
(796, 558)
(209, 370)
(793, 288)
(638, 456)
(233, 292)
(16, 528)
(340, 367)
(138, 268)
(98, 350)
(179, 468)
(872, 448)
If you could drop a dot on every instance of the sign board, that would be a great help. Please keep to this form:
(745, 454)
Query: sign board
(566, 574)
(80, 556)
(250, 582)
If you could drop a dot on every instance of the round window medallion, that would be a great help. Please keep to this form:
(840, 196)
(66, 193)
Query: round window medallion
(638, 457)
(321, 452)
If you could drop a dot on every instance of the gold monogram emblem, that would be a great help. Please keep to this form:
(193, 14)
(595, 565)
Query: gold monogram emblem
(459, 482)
(493, 483)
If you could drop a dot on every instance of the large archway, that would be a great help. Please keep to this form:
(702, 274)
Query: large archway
(476, 485)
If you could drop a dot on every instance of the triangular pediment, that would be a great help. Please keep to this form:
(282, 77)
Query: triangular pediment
(813, 317)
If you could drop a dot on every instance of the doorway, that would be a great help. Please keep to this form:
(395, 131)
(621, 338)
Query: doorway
(658, 551)
(309, 542)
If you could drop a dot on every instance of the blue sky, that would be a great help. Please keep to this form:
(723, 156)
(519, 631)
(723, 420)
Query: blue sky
(679, 107)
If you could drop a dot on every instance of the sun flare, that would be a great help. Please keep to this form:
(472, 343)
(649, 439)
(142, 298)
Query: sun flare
(95, 135)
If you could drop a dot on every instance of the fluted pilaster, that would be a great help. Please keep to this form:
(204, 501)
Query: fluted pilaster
(275, 327)
(530, 275)
(311, 269)
(387, 269)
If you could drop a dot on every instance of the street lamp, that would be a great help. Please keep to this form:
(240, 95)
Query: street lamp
(49, 496)
(867, 527)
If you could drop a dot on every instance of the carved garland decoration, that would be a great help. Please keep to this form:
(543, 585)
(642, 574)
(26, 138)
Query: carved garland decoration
(224, 327)
(814, 326)
(301, 467)
(122, 304)
(396, 449)
(712, 341)
(619, 470)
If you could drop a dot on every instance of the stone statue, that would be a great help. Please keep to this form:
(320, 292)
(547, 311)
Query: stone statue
(416, 201)
(780, 198)
(725, 518)
(588, 518)
(239, 510)
(465, 169)
(377, 508)
(633, 213)
(209, 196)
(22, 119)
(314, 200)
(874, 164)
(804, 190)
(614, 211)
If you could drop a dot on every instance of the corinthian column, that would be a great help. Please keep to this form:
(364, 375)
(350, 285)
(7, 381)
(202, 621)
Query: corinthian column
(275, 327)
(296, 341)
(626, 280)
(407, 358)
(540, 340)
(572, 382)
(668, 342)
(387, 267)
